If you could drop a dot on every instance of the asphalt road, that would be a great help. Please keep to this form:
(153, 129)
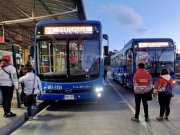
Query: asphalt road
(109, 116)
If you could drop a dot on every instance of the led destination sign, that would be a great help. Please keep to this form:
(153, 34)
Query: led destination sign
(153, 44)
(68, 30)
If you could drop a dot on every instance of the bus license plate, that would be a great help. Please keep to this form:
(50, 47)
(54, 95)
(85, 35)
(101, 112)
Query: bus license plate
(69, 97)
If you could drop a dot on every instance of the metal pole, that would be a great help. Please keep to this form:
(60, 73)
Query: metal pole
(3, 33)
(33, 8)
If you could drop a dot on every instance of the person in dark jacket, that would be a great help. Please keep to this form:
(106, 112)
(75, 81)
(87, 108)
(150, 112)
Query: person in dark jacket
(105, 73)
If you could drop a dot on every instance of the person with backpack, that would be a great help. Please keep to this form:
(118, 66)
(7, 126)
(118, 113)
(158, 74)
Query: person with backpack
(163, 98)
(142, 82)
(8, 80)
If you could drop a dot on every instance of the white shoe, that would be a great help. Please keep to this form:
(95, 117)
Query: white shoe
(30, 118)
(35, 117)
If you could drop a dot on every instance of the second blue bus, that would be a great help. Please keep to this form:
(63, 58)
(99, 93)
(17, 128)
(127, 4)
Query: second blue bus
(155, 53)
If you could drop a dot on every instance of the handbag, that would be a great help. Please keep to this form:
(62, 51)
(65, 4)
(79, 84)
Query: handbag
(29, 99)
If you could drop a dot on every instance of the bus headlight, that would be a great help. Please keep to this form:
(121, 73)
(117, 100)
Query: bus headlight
(44, 89)
(99, 95)
(174, 81)
(99, 89)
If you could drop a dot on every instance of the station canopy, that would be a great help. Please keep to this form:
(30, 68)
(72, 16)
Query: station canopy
(18, 17)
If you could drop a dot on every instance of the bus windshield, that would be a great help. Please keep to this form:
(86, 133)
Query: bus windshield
(70, 58)
(156, 60)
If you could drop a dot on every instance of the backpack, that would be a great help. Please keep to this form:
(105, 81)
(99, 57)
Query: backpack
(169, 90)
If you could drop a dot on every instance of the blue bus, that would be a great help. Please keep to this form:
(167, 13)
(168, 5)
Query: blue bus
(155, 53)
(68, 56)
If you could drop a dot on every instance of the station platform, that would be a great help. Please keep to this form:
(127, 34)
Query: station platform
(7, 125)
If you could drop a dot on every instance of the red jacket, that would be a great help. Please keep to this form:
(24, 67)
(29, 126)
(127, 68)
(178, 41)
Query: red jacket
(142, 81)
(162, 82)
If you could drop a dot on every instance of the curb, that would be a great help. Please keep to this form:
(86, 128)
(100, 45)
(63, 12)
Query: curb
(10, 124)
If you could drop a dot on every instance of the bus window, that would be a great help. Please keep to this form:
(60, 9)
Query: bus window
(146, 57)
(129, 66)
(90, 60)
(75, 56)
(44, 57)
(52, 57)
(164, 59)
(59, 57)
(155, 61)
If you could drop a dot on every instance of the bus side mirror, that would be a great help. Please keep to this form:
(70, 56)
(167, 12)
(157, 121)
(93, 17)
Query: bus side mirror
(106, 50)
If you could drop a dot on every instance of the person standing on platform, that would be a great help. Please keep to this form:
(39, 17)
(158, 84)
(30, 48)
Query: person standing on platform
(142, 82)
(31, 81)
(28, 64)
(8, 80)
(105, 73)
(163, 99)
(22, 72)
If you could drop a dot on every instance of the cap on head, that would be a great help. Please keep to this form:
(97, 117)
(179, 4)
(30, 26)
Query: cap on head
(6, 58)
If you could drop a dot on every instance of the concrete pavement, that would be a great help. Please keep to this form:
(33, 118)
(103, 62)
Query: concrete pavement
(177, 81)
(7, 125)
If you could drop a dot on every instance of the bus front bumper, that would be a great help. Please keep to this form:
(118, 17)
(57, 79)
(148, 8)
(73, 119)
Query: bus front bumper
(72, 96)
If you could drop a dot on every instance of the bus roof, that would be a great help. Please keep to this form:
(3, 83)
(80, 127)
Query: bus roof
(68, 21)
(149, 39)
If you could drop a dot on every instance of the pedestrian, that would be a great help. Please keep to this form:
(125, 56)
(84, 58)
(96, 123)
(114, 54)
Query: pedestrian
(163, 99)
(22, 72)
(28, 64)
(31, 81)
(8, 80)
(142, 82)
(105, 73)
